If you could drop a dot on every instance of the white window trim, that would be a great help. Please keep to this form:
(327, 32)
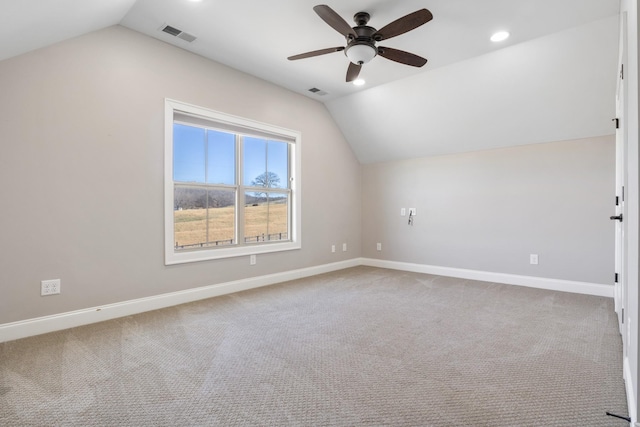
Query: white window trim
(173, 257)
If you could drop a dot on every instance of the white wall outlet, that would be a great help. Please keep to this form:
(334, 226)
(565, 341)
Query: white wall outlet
(50, 287)
(403, 212)
(252, 260)
(379, 246)
(344, 247)
(412, 211)
(533, 259)
(333, 248)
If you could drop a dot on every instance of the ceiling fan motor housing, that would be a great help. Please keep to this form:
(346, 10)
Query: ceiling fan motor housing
(362, 48)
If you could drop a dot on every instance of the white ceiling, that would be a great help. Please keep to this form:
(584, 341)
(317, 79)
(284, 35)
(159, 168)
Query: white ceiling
(256, 36)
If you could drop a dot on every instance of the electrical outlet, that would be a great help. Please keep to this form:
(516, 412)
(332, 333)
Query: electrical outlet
(252, 260)
(333, 248)
(379, 246)
(344, 247)
(533, 259)
(403, 211)
(50, 287)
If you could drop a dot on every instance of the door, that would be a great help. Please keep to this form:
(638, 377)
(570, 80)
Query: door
(620, 285)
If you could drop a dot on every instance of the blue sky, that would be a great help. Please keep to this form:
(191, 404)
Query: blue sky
(217, 166)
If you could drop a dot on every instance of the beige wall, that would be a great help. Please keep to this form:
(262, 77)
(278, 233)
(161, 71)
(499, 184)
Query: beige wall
(81, 162)
(489, 210)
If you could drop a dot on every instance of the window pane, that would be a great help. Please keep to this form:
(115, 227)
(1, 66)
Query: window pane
(203, 218)
(266, 217)
(221, 162)
(189, 217)
(255, 161)
(188, 153)
(277, 164)
(222, 217)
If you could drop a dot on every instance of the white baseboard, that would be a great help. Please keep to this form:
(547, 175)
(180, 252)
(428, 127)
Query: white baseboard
(56, 322)
(486, 276)
(628, 383)
(71, 319)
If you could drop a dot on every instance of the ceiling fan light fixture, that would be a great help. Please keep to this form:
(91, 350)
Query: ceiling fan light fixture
(500, 36)
(359, 82)
(360, 53)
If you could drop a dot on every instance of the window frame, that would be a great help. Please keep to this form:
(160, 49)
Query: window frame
(243, 126)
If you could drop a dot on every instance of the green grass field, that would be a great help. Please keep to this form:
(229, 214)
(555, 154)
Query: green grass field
(190, 225)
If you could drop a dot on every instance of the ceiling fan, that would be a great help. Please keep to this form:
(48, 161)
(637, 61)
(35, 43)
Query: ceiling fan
(361, 39)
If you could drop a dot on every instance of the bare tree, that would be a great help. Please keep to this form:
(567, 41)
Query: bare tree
(266, 180)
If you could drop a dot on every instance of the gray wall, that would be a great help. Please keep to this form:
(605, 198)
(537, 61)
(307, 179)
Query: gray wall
(489, 210)
(81, 162)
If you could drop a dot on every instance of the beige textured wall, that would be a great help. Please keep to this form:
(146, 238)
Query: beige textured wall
(489, 210)
(81, 162)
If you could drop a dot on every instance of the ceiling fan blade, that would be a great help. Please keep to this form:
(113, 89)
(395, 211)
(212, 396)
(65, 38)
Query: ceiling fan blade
(404, 24)
(334, 20)
(353, 71)
(315, 53)
(401, 56)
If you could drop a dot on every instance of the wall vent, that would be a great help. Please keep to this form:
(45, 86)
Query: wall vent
(317, 91)
(177, 33)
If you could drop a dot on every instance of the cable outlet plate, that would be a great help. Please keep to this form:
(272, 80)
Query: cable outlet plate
(50, 287)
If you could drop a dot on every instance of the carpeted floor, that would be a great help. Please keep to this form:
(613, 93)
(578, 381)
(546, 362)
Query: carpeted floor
(362, 346)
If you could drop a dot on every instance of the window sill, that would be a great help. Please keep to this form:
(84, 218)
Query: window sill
(172, 257)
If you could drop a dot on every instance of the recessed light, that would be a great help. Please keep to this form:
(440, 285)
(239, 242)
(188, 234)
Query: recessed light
(359, 82)
(499, 36)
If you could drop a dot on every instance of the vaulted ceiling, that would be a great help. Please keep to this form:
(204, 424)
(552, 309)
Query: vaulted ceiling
(553, 79)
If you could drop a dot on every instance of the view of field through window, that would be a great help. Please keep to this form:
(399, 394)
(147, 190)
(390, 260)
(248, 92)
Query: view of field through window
(210, 207)
(198, 226)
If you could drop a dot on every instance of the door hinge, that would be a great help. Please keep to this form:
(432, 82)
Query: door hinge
(622, 71)
(616, 278)
(617, 120)
(617, 201)
(623, 315)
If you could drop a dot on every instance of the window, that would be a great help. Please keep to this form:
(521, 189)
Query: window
(231, 185)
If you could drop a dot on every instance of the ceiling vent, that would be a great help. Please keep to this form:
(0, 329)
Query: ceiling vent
(178, 33)
(317, 91)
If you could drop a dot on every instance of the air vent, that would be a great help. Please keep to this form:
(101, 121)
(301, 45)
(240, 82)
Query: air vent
(186, 37)
(178, 33)
(170, 30)
(317, 91)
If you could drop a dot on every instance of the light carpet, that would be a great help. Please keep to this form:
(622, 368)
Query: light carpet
(362, 346)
